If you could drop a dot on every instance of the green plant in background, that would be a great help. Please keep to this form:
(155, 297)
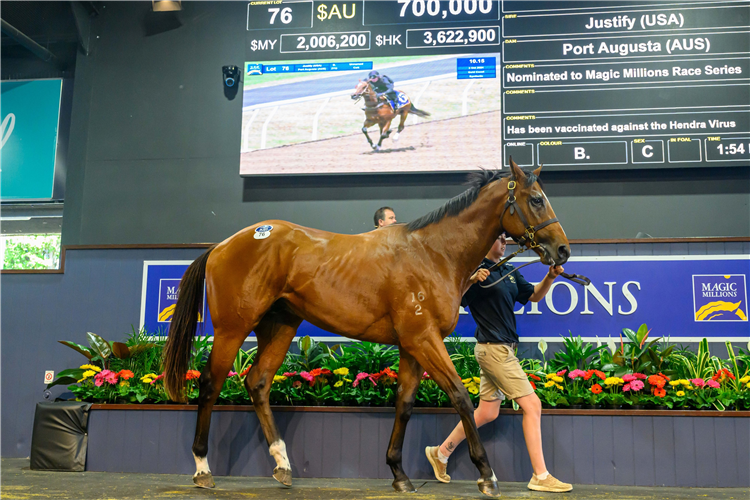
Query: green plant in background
(637, 356)
(311, 354)
(701, 365)
(575, 355)
(462, 355)
(369, 357)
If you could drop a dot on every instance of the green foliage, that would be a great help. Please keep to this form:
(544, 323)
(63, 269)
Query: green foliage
(575, 355)
(38, 251)
(369, 357)
(637, 356)
(700, 365)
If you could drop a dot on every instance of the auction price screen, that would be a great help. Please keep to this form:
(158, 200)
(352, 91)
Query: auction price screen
(461, 84)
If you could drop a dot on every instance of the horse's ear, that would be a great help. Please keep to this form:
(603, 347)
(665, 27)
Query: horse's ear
(516, 171)
(538, 170)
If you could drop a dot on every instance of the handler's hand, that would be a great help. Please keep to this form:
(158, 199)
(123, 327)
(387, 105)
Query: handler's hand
(555, 271)
(480, 275)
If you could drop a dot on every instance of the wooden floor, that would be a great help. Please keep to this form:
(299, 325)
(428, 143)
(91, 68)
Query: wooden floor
(18, 482)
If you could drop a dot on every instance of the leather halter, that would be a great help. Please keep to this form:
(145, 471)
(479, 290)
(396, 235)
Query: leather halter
(529, 237)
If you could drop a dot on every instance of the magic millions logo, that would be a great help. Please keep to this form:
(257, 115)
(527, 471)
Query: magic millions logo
(719, 297)
(168, 300)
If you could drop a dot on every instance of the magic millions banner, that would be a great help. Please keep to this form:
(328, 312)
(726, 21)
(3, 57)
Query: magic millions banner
(683, 298)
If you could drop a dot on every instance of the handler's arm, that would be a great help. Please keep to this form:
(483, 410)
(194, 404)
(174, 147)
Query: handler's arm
(541, 289)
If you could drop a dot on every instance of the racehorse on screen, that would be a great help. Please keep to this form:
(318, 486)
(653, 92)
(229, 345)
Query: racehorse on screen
(379, 112)
(399, 285)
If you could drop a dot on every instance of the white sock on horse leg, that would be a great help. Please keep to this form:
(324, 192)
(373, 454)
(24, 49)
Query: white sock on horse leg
(278, 452)
(201, 464)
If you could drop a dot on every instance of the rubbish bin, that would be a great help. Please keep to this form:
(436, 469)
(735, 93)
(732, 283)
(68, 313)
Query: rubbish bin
(60, 436)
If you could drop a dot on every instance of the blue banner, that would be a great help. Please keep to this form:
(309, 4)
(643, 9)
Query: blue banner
(683, 298)
(28, 141)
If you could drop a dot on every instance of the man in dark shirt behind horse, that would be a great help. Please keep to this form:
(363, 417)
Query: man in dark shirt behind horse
(383, 86)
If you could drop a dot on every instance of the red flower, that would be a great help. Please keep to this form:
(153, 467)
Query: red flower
(192, 374)
(561, 372)
(532, 376)
(660, 392)
(244, 372)
(596, 388)
(591, 373)
(290, 374)
(657, 381)
(297, 384)
(722, 375)
(387, 372)
(532, 384)
(125, 374)
(641, 376)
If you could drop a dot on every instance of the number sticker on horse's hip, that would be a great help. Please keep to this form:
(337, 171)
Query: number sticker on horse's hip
(262, 232)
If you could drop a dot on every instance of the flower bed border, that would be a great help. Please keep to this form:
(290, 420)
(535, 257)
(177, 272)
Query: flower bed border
(422, 409)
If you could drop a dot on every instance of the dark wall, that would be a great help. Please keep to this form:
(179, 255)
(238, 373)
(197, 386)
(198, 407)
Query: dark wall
(154, 154)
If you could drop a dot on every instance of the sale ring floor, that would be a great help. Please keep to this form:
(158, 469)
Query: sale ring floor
(18, 482)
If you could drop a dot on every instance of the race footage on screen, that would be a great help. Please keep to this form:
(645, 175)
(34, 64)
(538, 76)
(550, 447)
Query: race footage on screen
(303, 117)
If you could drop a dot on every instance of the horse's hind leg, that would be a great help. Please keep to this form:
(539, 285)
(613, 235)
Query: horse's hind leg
(409, 376)
(274, 333)
(223, 353)
(429, 351)
(384, 132)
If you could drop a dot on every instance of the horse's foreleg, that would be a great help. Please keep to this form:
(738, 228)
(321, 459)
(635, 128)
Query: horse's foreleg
(409, 376)
(224, 351)
(429, 351)
(274, 333)
(364, 131)
(384, 132)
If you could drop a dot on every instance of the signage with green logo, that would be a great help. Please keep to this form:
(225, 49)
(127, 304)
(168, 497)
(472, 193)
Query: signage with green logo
(30, 113)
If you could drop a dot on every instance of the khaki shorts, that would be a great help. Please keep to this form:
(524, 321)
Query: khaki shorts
(501, 373)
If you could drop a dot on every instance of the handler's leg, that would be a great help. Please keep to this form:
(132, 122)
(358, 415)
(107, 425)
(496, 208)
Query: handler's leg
(532, 432)
(409, 376)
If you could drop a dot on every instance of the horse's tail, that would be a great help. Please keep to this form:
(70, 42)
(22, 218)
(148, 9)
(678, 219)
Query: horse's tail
(179, 346)
(418, 112)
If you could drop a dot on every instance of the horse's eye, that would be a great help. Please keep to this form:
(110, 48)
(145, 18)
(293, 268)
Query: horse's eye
(537, 202)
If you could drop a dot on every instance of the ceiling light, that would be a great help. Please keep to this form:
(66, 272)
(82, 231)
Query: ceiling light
(165, 5)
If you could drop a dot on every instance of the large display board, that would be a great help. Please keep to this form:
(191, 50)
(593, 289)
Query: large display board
(579, 85)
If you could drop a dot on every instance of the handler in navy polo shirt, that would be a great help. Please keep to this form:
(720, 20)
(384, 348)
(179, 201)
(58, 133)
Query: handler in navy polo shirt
(502, 375)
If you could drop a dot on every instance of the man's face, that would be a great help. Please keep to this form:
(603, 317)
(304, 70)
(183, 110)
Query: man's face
(389, 218)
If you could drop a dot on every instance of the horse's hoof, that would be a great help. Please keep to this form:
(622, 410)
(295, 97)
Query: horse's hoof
(204, 480)
(403, 486)
(395, 137)
(377, 148)
(489, 487)
(284, 476)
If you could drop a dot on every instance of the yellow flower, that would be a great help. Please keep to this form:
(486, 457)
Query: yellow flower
(690, 387)
(680, 393)
(476, 380)
(674, 382)
(551, 375)
(684, 382)
(557, 379)
(558, 386)
(88, 373)
(748, 385)
(147, 379)
(341, 371)
(466, 380)
(745, 379)
(90, 367)
(473, 389)
(124, 384)
(549, 384)
(347, 380)
(613, 381)
(339, 383)
(279, 378)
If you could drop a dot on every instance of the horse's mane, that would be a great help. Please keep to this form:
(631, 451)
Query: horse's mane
(476, 181)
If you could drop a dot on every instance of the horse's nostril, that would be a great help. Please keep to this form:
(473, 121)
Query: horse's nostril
(563, 252)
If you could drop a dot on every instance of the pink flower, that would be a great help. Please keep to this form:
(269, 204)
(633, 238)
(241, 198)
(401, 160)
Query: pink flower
(361, 376)
(698, 382)
(639, 376)
(628, 377)
(307, 376)
(232, 373)
(713, 383)
(636, 385)
(626, 387)
(107, 376)
(576, 373)
(290, 374)
(161, 377)
(561, 372)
